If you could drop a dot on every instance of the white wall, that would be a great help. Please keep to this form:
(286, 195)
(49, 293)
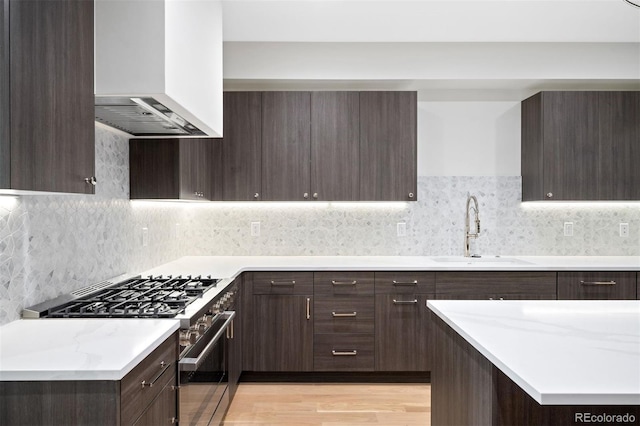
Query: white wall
(468, 139)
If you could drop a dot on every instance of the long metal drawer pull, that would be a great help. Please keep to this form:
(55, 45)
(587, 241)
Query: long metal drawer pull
(308, 308)
(345, 353)
(292, 282)
(414, 282)
(192, 364)
(163, 367)
(334, 282)
(598, 282)
(350, 314)
(405, 302)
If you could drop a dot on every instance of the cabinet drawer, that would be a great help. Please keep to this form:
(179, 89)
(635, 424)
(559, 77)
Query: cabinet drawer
(157, 369)
(483, 285)
(343, 283)
(343, 352)
(283, 283)
(343, 315)
(164, 409)
(405, 282)
(597, 285)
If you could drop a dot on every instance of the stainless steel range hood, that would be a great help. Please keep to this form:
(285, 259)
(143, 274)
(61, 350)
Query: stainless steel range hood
(158, 68)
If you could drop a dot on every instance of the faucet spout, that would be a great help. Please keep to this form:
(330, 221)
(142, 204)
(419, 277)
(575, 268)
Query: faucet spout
(467, 228)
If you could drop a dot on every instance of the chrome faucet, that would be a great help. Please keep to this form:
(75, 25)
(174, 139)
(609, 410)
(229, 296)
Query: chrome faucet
(467, 228)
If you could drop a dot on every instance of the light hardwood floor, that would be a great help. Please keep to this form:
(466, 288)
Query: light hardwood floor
(330, 404)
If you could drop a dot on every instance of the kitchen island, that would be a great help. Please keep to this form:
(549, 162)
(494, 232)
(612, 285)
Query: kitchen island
(536, 362)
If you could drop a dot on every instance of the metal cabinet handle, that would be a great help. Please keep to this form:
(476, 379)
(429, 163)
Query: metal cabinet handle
(598, 282)
(91, 180)
(230, 331)
(344, 353)
(163, 367)
(411, 195)
(337, 315)
(549, 194)
(354, 282)
(277, 283)
(174, 420)
(315, 195)
(414, 282)
(405, 302)
(308, 308)
(256, 195)
(305, 195)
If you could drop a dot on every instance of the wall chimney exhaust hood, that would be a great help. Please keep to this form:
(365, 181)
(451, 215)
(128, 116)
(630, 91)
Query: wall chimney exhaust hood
(158, 68)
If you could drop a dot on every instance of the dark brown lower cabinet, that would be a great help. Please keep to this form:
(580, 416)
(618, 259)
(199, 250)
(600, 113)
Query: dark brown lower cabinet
(99, 402)
(162, 411)
(282, 333)
(403, 336)
(597, 286)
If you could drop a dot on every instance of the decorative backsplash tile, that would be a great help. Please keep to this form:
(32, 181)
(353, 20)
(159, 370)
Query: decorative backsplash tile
(434, 224)
(51, 245)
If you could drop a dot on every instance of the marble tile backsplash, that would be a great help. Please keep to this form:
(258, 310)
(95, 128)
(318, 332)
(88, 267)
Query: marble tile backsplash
(434, 224)
(54, 244)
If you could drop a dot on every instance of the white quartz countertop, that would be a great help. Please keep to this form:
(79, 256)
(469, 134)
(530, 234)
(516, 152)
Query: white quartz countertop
(231, 266)
(78, 349)
(559, 352)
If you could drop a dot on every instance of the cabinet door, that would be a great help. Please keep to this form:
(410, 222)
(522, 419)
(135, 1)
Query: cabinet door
(201, 169)
(51, 89)
(403, 336)
(388, 146)
(570, 154)
(242, 150)
(619, 148)
(286, 134)
(597, 286)
(283, 333)
(335, 142)
(164, 409)
(192, 160)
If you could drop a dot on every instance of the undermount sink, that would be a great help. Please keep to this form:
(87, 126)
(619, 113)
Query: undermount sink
(488, 260)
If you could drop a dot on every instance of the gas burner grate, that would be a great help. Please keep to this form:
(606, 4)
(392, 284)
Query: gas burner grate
(151, 297)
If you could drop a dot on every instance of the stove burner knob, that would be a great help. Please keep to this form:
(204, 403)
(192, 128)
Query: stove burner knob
(201, 327)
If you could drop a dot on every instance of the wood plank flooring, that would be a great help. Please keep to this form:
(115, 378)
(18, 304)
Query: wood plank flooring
(330, 404)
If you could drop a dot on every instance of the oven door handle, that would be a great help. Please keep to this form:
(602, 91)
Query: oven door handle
(192, 364)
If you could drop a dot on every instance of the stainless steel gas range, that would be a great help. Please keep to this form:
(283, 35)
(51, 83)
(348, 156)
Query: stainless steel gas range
(205, 308)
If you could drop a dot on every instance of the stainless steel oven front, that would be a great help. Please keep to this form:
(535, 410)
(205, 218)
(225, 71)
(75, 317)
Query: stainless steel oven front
(204, 375)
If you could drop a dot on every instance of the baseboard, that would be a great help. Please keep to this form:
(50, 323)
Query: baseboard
(337, 377)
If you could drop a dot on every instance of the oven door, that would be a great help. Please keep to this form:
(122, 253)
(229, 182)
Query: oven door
(204, 397)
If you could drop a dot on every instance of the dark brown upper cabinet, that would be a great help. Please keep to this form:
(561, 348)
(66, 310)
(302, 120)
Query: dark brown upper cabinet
(286, 135)
(242, 147)
(299, 146)
(47, 133)
(581, 146)
(335, 142)
(176, 169)
(388, 146)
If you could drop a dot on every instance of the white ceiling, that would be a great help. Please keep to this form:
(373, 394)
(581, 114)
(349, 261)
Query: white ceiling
(431, 21)
(378, 44)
